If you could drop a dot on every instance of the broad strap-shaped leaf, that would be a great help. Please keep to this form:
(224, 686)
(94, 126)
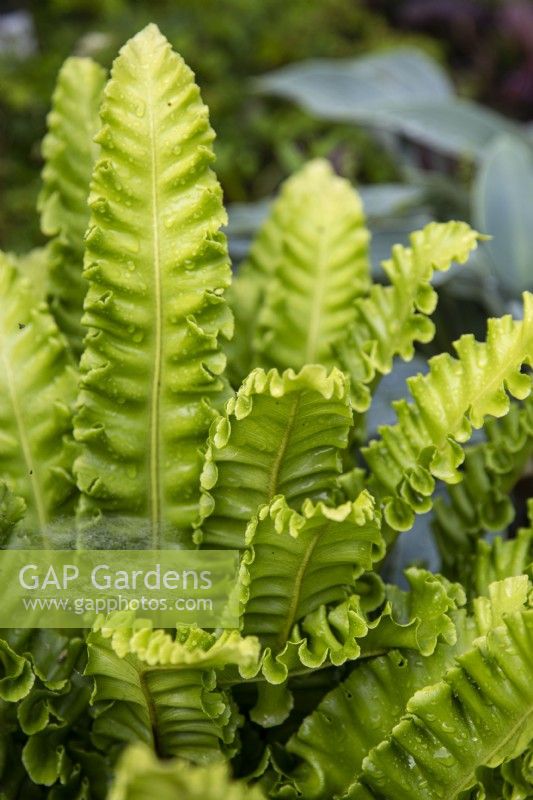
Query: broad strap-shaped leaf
(453, 398)
(481, 501)
(38, 386)
(69, 153)
(157, 265)
(281, 434)
(295, 566)
(139, 776)
(392, 318)
(322, 267)
(333, 742)
(246, 295)
(480, 714)
(164, 693)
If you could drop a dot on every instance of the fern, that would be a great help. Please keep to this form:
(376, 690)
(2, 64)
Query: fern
(165, 693)
(69, 153)
(156, 265)
(281, 434)
(38, 390)
(368, 689)
(481, 501)
(391, 319)
(488, 722)
(316, 557)
(352, 721)
(321, 268)
(452, 399)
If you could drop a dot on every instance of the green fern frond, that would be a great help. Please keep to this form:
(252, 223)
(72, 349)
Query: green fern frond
(453, 398)
(69, 153)
(480, 714)
(12, 510)
(246, 295)
(190, 645)
(392, 318)
(164, 693)
(481, 501)
(34, 266)
(295, 566)
(333, 743)
(38, 386)
(281, 434)
(500, 558)
(157, 265)
(321, 267)
(416, 619)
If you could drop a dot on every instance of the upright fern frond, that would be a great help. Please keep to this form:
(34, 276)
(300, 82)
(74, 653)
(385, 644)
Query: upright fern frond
(321, 267)
(70, 152)
(38, 388)
(246, 295)
(281, 434)
(157, 266)
(392, 318)
(454, 397)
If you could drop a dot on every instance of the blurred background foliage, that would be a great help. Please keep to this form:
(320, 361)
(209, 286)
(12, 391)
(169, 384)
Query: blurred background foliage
(414, 163)
(227, 42)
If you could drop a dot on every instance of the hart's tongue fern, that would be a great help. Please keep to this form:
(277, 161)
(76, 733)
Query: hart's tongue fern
(370, 690)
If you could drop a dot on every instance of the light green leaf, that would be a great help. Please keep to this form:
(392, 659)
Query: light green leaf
(34, 266)
(481, 501)
(140, 776)
(333, 742)
(480, 714)
(69, 153)
(455, 396)
(157, 265)
(281, 434)
(246, 295)
(38, 385)
(295, 568)
(392, 318)
(418, 618)
(191, 645)
(16, 674)
(164, 693)
(322, 267)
